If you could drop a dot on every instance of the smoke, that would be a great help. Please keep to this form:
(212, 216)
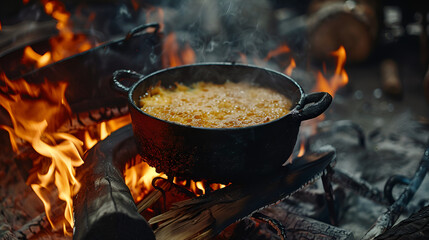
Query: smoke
(222, 30)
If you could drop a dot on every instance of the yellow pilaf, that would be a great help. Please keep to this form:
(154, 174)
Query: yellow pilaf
(209, 105)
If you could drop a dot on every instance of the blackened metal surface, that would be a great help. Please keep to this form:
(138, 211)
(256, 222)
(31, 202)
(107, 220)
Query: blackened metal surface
(221, 154)
(88, 73)
(210, 214)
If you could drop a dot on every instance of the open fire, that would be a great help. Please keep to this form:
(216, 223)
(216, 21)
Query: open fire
(37, 112)
(66, 44)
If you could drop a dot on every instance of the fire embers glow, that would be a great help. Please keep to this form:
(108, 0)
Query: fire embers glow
(34, 109)
(339, 78)
(66, 44)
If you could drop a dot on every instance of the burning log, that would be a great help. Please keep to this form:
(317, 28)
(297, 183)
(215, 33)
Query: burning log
(104, 208)
(206, 216)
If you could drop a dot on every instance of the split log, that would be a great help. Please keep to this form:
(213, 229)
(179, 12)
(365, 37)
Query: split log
(333, 23)
(104, 207)
(206, 216)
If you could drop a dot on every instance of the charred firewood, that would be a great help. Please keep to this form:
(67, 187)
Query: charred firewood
(6, 230)
(388, 218)
(414, 227)
(299, 227)
(83, 120)
(206, 216)
(104, 207)
(39, 223)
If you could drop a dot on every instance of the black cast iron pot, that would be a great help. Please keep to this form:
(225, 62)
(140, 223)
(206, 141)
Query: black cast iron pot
(218, 154)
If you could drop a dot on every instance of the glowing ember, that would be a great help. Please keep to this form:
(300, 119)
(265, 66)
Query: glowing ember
(32, 109)
(338, 80)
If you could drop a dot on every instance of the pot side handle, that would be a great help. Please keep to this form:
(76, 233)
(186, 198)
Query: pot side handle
(120, 75)
(319, 101)
(141, 28)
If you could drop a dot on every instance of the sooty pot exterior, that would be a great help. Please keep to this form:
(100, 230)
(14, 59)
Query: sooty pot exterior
(220, 155)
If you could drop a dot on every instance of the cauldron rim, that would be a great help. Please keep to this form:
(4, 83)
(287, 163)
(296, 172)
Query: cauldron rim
(292, 111)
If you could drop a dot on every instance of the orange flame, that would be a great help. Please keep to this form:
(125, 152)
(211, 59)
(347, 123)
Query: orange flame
(289, 69)
(340, 77)
(31, 56)
(173, 55)
(67, 44)
(139, 175)
(138, 178)
(32, 108)
(278, 51)
(282, 49)
(301, 149)
(104, 129)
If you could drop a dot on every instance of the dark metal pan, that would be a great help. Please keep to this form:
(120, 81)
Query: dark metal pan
(218, 154)
(88, 74)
